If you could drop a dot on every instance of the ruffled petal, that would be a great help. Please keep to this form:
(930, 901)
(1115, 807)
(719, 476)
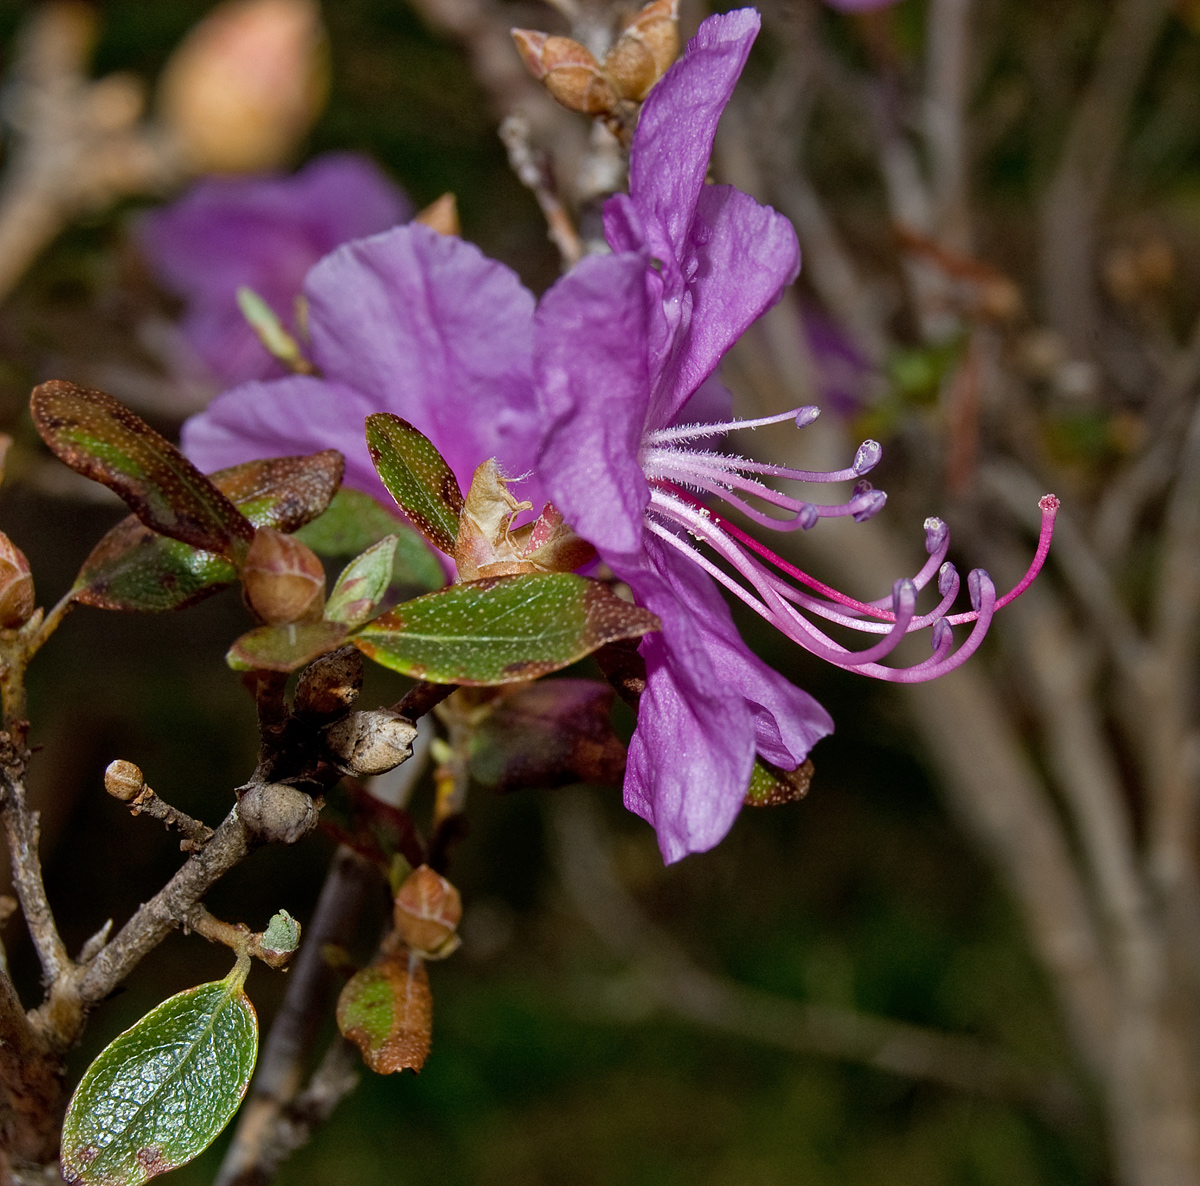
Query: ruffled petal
(286, 417)
(593, 390)
(740, 257)
(691, 754)
(675, 132)
(427, 327)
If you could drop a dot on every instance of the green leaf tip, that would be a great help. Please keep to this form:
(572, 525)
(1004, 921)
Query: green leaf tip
(282, 933)
(162, 1091)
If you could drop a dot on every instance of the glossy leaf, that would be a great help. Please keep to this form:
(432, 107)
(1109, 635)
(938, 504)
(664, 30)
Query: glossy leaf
(770, 786)
(102, 439)
(159, 1093)
(386, 1010)
(286, 646)
(417, 477)
(135, 569)
(502, 629)
(547, 735)
(355, 521)
(362, 585)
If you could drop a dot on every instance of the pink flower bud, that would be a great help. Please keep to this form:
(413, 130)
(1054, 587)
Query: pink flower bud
(246, 84)
(16, 586)
(427, 912)
(283, 580)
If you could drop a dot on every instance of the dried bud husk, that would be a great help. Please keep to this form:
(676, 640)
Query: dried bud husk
(123, 780)
(277, 813)
(645, 50)
(371, 742)
(283, 579)
(441, 215)
(331, 684)
(246, 84)
(16, 586)
(567, 70)
(427, 912)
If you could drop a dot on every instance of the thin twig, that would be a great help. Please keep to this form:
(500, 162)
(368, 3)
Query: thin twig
(534, 171)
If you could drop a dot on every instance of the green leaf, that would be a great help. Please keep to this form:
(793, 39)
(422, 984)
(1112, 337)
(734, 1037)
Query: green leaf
(355, 521)
(417, 477)
(770, 786)
(286, 646)
(159, 1093)
(502, 629)
(135, 569)
(362, 584)
(102, 439)
(282, 933)
(386, 1010)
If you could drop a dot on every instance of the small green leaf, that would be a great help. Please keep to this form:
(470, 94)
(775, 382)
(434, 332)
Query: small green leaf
(135, 569)
(355, 521)
(417, 477)
(159, 1093)
(102, 439)
(501, 629)
(362, 584)
(282, 933)
(285, 646)
(770, 786)
(386, 1010)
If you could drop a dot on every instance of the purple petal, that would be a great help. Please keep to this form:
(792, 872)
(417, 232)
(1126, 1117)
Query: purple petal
(691, 754)
(675, 132)
(427, 327)
(593, 390)
(740, 256)
(289, 416)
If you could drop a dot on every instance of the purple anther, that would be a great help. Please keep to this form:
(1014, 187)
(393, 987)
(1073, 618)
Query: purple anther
(867, 457)
(904, 596)
(868, 504)
(807, 516)
(942, 634)
(947, 575)
(860, 488)
(806, 415)
(976, 580)
(936, 532)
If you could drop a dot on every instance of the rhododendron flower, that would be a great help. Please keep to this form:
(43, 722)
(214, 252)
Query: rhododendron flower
(265, 233)
(621, 344)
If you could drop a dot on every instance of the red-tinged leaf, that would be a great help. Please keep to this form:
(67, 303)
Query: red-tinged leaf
(386, 1010)
(547, 734)
(417, 477)
(286, 646)
(135, 569)
(501, 629)
(374, 829)
(770, 786)
(102, 439)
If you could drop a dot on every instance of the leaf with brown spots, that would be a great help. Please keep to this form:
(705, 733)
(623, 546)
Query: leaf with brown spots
(502, 629)
(285, 646)
(102, 439)
(417, 477)
(386, 1010)
(770, 786)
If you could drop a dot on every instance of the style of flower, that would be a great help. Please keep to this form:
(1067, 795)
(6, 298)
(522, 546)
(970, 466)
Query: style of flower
(265, 233)
(620, 345)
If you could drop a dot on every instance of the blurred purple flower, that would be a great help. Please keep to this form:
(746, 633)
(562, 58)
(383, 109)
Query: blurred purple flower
(264, 232)
(842, 370)
(410, 322)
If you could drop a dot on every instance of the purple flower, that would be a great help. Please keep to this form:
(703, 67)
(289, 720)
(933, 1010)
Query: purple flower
(264, 232)
(410, 322)
(620, 346)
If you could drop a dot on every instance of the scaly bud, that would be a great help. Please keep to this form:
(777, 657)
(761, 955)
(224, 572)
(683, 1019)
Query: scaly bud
(427, 912)
(123, 780)
(568, 71)
(645, 50)
(277, 813)
(282, 578)
(331, 684)
(371, 742)
(16, 586)
(441, 216)
(246, 84)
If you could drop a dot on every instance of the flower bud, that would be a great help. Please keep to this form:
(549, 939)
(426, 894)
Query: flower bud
(16, 586)
(441, 215)
(331, 684)
(277, 813)
(427, 912)
(283, 579)
(246, 84)
(567, 70)
(371, 742)
(645, 49)
(123, 780)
